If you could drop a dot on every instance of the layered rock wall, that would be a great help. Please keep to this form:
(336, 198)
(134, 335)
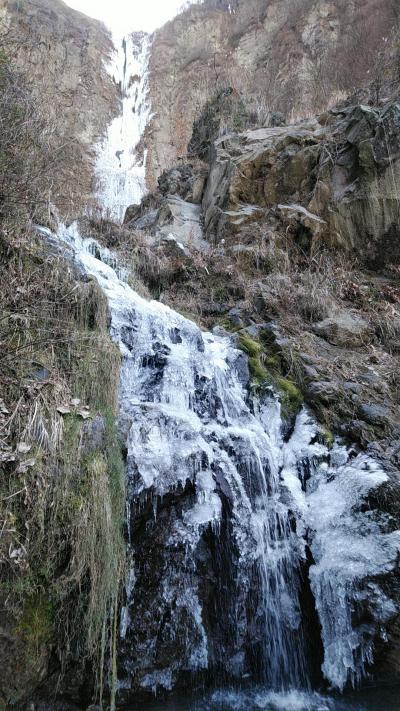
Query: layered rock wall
(293, 56)
(63, 54)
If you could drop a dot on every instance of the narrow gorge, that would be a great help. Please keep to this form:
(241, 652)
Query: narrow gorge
(199, 382)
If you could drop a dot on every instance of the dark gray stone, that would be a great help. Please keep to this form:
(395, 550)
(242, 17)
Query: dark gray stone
(356, 430)
(324, 391)
(132, 213)
(146, 222)
(41, 373)
(353, 387)
(242, 369)
(236, 316)
(93, 434)
(361, 124)
(375, 414)
(277, 119)
(215, 308)
(310, 372)
(179, 181)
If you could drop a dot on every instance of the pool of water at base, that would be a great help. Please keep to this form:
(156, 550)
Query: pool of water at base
(371, 699)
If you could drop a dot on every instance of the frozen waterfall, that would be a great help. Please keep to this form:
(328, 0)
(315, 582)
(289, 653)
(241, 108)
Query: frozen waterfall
(254, 558)
(229, 524)
(120, 165)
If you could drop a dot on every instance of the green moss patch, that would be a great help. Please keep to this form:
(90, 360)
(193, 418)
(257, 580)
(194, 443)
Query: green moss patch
(36, 624)
(266, 369)
(291, 396)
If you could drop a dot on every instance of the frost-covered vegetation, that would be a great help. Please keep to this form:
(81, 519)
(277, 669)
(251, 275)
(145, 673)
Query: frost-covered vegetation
(62, 477)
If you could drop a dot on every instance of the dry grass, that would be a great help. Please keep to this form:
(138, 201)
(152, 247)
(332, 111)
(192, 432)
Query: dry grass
(61, 506)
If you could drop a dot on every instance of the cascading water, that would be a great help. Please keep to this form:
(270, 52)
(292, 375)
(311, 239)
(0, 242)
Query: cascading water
(229, 525)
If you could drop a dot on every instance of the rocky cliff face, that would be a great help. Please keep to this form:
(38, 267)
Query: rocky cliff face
(274, 56)
(299, 227)
(278, 55)
(335, 177)
(63, 53)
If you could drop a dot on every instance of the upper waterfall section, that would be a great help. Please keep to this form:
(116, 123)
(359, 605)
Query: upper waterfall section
(121, 164)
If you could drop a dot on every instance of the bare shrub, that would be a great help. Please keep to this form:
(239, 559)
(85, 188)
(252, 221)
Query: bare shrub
(28, 154)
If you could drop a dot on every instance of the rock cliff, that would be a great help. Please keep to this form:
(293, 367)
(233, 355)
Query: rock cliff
(63, 54)
(299, 261)
(291, 56)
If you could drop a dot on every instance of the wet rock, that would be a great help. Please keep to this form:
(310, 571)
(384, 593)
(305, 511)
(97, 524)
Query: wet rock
(344, 329)
(356, 430)
(235, 316)
(241, 366)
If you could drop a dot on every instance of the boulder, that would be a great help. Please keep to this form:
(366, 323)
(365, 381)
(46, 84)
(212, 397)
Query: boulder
(177, 181)
(145, 222)
(351, 387)
(310, 372)
(376, 415)
(344, 329)
(277, 119)
(175, 249)
(361, 122)
(132, 213)
(323, 391)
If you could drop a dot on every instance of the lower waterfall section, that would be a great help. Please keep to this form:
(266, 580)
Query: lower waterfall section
(228, 523)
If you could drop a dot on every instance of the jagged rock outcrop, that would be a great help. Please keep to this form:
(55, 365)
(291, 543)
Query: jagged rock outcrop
(63, 54)
(332, 180)
(292, 56)
(322, 186)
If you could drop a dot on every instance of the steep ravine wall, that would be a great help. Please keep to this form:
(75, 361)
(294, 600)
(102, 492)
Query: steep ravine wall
(292, 56)
(64, 54)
